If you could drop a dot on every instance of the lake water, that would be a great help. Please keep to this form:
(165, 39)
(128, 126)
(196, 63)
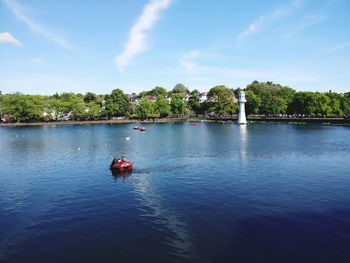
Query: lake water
(206, 193)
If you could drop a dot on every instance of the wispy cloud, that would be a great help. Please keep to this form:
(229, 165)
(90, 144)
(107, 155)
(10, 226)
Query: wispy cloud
(264, 20)
(136, 43)
(19, 11)
(37, 61)
(188, 60)
(201, 74)
(6, 37)
(338, 47)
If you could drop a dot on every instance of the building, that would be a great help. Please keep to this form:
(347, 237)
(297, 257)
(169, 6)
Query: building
(152, 98)
(202, 97)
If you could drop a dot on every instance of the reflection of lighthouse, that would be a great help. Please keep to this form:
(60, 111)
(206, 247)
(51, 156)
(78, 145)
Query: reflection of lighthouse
(241, 116)
(243, 142)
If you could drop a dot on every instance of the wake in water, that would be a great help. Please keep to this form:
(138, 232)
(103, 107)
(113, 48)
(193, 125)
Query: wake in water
(149, 170)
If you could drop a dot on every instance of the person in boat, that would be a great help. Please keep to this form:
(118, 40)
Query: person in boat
(116, 160)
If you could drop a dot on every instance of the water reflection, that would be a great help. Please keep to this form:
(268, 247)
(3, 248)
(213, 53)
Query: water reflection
(243, 141)
(120, 175)
(180, 241)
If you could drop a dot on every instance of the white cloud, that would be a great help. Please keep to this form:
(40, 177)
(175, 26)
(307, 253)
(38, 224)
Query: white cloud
(6, 37)
(20, 14)
(202, 76)
(264, 20)
(187, 60)
(338, 47)
(136, 43)
(37, 61)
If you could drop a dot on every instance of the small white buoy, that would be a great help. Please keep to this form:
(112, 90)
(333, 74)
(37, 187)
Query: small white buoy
(128, 138)
(78, 148)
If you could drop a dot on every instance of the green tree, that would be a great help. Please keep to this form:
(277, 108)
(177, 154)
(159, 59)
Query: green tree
(92, 111)
(195, 92)
(278, 105)
(53, 108)
(194, 104)
(221, 101)
(117, 103)
(253, 102)
(89, 96)
(345, 104)
(158, 91)
(311, 104)
(146, 109)
(335, 103)
(178, 106)
(24, 107)
(287, 94)
(180, 88)
(162, 106)
(273, 98)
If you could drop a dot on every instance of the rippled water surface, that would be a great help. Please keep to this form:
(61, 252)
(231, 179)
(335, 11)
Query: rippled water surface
(207, 193)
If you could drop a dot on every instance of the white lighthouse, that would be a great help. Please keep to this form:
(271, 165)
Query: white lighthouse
(241, 116)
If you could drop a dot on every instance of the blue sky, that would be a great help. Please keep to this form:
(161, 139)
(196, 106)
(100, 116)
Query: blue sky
(79, 46)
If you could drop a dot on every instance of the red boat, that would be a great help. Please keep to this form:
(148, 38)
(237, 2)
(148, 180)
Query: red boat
(194, 124)
(121, 165)
(142, 128)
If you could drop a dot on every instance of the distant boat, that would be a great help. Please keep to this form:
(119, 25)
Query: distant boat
(194, 124)
(142, 129)
(136, 128)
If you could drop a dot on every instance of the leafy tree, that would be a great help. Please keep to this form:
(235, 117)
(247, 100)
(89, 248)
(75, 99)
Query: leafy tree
(274, 99)
(287, 94)
(278, 105)
(162, 106)
(92, 111)
(253, 102)
(178, 106)
(146, 109)
(54, 108)
(90, 97)
(24, 108)
(68, 100)
(195, 92)
(311, 104)
(221, 101)
(345, 103)
(180, 88)
(79, 108)
(142, 94)
(262, 97)
(194, 104)
(2, 97)
(117, 103)
(236, 91)
(56, 96)
(158, 91)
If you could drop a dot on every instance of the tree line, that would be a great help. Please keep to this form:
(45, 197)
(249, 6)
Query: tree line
(263, 98)
(267, 98)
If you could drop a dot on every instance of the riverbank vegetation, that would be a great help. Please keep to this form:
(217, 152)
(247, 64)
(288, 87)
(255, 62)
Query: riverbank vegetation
(263, 98)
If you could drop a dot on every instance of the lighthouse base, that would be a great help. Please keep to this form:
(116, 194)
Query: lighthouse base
(242, 121)
(241, 115)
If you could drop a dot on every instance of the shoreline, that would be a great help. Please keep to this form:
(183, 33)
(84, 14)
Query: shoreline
(117, 121)
(332, 121)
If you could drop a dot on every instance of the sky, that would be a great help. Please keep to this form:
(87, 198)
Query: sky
(96, 46)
